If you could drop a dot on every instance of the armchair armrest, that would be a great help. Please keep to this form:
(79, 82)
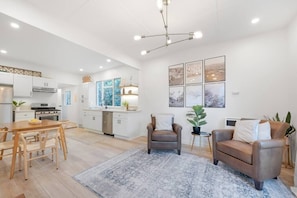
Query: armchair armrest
(268, 144)
(150, 129)
(267, 152)
(222, 135)
(219, 135)
(177, 128)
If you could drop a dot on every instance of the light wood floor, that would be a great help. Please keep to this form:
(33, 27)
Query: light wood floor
(85, 150)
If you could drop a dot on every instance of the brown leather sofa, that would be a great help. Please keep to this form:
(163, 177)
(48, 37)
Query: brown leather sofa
(260, 160)
(163, 139)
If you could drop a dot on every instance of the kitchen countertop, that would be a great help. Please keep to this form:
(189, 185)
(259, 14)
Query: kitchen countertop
(111, 109)
(24, 110)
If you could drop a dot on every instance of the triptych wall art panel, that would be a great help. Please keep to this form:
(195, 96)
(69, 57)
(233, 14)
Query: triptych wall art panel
(198, 82)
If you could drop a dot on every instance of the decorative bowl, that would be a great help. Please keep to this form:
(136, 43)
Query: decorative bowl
(34, 121)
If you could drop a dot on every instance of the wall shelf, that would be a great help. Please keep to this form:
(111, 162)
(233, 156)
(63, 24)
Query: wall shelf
(129, 90)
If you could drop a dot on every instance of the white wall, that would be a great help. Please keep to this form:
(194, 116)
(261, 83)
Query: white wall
(128, 74)
(257, 67)
(292, 46)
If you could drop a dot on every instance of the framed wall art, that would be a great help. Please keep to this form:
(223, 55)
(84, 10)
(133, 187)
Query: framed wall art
(194, 72)
(214, 69)
(176, 96)
(194, 95)
(214, 95)
(176, 74)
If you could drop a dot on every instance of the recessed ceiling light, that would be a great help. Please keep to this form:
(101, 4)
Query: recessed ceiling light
(15, 25)
(81, 70)
(3, 51)
(255, 20)
(101, 67)
(108, 60)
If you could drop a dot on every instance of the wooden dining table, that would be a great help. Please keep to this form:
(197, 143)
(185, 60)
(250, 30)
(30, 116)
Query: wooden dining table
(25, 127)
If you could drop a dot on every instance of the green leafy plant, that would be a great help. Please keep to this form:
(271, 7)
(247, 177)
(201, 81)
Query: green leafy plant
(125, 104)
(18, 104)
(197, 116)
(291, 129)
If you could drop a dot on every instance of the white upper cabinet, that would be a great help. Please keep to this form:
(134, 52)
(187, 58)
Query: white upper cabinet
(22, 85)
(6, 78)
(44, 82)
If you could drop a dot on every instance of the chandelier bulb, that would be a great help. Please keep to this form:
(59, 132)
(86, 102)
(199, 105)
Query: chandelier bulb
(168, 41)
(197, 35)
(137, 37)
(160, 5)
(143, 52)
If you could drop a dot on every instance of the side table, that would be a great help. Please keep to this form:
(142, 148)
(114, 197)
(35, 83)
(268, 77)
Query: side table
(202, 134)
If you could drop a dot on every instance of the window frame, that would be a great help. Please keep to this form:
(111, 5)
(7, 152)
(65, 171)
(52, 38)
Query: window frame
(115, 90)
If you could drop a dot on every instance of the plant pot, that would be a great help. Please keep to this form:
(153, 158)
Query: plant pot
(17, 108)
(196, 130)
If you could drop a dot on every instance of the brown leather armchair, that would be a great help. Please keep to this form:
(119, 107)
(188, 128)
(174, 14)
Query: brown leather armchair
(260, 160)
(164, 139)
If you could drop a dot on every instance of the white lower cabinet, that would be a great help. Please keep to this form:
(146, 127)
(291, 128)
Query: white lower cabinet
(23, 115)
(92, 120)
(126, 125)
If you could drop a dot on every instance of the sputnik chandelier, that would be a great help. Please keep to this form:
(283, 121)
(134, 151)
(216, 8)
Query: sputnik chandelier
(163, 7)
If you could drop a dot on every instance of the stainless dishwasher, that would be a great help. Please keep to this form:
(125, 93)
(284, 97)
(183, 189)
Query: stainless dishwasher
(107, 122)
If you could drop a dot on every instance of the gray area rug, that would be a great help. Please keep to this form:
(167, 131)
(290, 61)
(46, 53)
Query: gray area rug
(165, 174)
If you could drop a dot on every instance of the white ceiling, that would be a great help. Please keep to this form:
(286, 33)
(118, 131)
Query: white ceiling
(109, 27)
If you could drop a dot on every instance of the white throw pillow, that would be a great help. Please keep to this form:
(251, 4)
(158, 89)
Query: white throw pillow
(163, 122)
(264, 131)
(246, 130)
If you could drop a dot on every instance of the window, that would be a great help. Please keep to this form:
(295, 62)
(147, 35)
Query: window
(67, 97)
(108, 92)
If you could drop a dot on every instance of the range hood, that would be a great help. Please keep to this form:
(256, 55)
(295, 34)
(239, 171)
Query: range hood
(44, 89)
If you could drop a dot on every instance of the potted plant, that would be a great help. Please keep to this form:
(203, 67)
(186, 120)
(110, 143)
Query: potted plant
(18, 104)
(289, 139)
(291, 129)
(196, 117)
(126, 104)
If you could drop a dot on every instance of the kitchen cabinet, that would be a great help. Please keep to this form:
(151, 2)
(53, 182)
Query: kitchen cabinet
(92, 119)
(23, 115)
(22, 85)
(88, 95)
(6, 78)
(44, 82)
(126, 125)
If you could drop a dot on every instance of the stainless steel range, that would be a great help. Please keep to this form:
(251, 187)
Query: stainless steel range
(45, 111)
